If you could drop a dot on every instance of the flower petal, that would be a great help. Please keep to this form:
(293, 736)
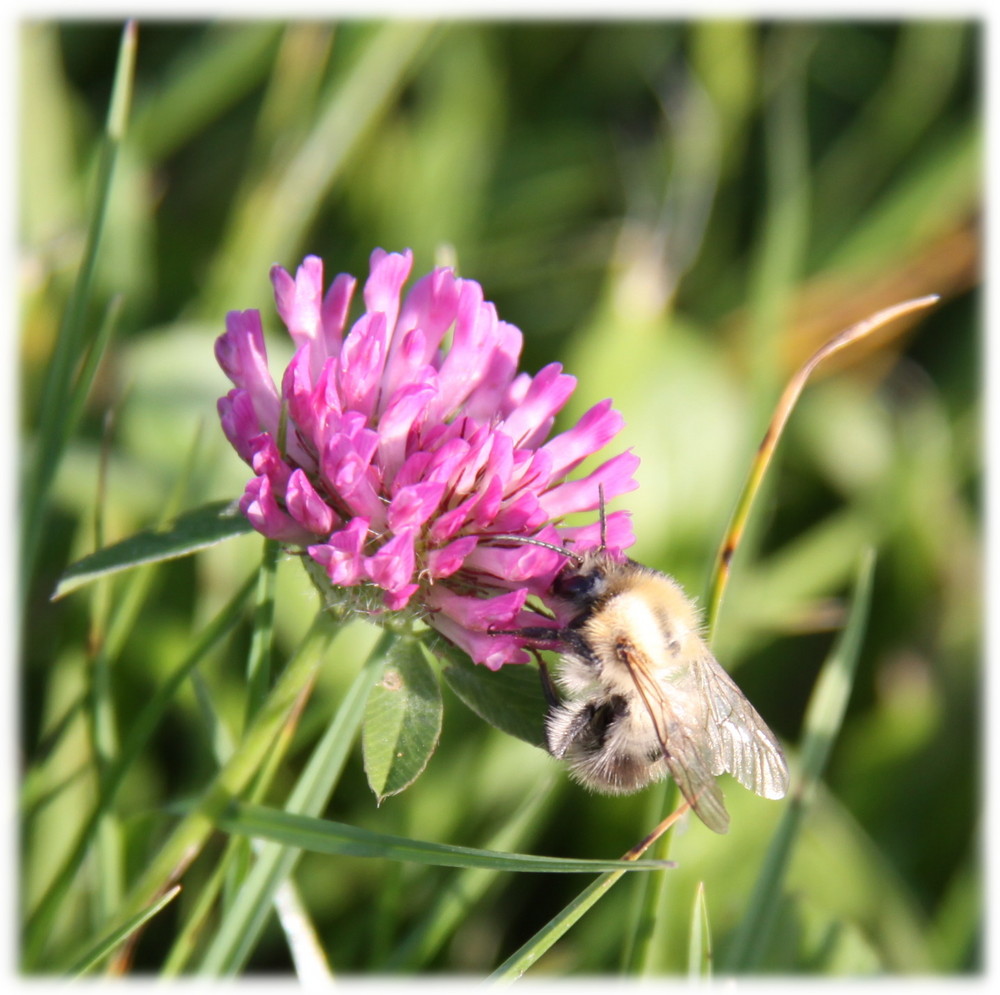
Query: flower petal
(341, 555)
(413, 505)
(298, 303)
(362, 359)
(243, 357)
(615, 476)
(388, 273)
(336, 305)
(445, 561)
(404, 414)
(593, 431)
(392, 567)
(306, 506)
(239, 421)
(414, 459)
(531, 419)
(262, 511)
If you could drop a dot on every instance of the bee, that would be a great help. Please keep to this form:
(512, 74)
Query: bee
(642, 695)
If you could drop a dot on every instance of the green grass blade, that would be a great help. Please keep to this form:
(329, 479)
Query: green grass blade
(228, 62)
(527, 954)
(116, 937)
(336, 838)
(459, 893)
(259, 658)
(308, 956)
(823, 720)
(642, 952)
(58, 401)
(188, 935)
(700, 944)
(194, 530)
(188, 838)
(230, 874)
(147, 721)
(239, 930)
(270, 222)
(91, 362)
(557, 927)
(765, 451)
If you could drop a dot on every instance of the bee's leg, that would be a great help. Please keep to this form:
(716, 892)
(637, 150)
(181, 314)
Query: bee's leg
(548, 688)
(543, 635)
(548, 638)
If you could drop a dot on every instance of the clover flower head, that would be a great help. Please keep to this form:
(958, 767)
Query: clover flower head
(399, 450)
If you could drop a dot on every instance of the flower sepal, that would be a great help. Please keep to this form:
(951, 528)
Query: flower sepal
(360, 601)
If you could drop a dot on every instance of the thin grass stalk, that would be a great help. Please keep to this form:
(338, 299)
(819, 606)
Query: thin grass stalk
(190, 835)
(235, 938)
(59, 397)
(641, 951)
(40, 921)
(259, 658)
(233, 867)
(109, 869)
(527, 954)
(823, 719)
(700, 943)
(183, 947)
(237, 851)
(91, 363)
(461, 890)
(108, 943)
(765, 451)
(311, 965)
(269, 219)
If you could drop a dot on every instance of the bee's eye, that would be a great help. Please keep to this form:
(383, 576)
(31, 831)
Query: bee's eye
(579, 586)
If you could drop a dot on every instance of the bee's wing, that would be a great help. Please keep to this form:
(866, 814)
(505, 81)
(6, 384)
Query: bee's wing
(691, 756)
(741, 742)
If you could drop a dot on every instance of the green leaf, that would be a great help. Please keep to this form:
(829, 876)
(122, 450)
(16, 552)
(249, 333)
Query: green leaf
(194, 530)
(511, 699)
(325, 836)
(402, 720)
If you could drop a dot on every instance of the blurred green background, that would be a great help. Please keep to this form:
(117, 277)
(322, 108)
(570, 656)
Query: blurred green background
(680, 213)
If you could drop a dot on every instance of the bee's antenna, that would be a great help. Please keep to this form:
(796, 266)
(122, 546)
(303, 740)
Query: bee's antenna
(538, 542)
(604, 519)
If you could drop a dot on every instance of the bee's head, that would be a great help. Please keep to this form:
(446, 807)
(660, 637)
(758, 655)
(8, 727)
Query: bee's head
(584, 578)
